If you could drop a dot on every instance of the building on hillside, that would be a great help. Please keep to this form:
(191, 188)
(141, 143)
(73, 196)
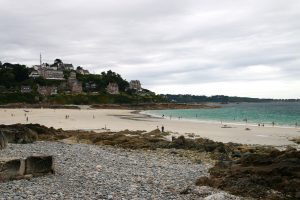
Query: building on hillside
(26, 89)
(76, 87)
(64, 66)
(82, 71)
(112, 88)
(51, 74)
(68, 67)
(34, 74)
(135, 85)
(47, 90)
(72, 76)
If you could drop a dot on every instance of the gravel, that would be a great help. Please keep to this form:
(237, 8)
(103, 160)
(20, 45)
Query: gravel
(99, 172)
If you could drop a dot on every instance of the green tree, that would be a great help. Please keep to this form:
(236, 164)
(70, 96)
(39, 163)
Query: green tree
(58, 61)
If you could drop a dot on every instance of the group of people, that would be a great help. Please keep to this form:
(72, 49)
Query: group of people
(179, 117)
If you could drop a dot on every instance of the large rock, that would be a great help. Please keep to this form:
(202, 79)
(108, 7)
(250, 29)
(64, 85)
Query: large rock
(18, 168)
(11, 168)
(39, 165)
(3, 141)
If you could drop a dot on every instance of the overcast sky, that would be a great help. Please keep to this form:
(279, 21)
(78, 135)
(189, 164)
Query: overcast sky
(231, 47)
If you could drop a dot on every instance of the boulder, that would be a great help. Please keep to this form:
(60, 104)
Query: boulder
(39, 165)
(11, 168)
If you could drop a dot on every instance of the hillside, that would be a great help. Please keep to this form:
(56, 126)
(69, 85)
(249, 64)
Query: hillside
(61, 83)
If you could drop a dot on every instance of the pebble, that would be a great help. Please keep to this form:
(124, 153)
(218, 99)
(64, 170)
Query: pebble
(85, 171)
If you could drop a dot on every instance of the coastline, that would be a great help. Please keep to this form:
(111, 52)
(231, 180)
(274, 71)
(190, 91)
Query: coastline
(146, 112)
(132, 106)
(120, 119)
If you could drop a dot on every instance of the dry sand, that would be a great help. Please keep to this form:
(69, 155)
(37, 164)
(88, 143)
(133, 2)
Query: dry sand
(116, 120)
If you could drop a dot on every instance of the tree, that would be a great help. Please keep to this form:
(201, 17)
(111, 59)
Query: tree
(58, 61)
(79, 68)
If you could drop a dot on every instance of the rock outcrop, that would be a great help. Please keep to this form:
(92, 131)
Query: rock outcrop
(18, 134)
(273, 175)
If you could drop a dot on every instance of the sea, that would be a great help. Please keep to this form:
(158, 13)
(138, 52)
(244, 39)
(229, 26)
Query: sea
(283, 114)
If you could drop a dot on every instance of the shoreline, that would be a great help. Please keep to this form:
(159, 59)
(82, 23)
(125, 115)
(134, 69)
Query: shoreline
(131, 106)
(219, 122)
(119, 119)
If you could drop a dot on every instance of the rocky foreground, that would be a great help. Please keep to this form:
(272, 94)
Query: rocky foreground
(146, 165)
(101, 172)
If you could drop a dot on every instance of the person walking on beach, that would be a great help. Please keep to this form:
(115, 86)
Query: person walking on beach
(273, 123)
(296, 124)
(162, 128)
(26, 119)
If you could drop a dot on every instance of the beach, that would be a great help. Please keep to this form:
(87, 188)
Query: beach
(117, 120)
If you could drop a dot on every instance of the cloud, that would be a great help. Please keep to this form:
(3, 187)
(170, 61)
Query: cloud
(168, 45)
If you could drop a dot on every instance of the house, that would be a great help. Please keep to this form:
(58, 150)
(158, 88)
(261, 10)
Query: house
(34, 74)
(112, 88)
(47, 90)
(135, 85)
(76, 87)
(72, 76)
(64, 66)
(51, 74)
(68, 67)
(83, 71)
(26, 89)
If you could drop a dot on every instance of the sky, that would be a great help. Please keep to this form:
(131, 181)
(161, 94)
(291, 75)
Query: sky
(218, 47)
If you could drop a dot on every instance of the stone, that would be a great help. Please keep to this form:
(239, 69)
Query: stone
(11, 168)
(99, 167)
(39, 165)
(3, 141)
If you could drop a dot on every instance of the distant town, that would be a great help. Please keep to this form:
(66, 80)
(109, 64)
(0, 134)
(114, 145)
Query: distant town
(66, 75)
(62, 83)
(70, 84)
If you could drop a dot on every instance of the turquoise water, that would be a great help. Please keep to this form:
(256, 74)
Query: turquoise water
(281, 113)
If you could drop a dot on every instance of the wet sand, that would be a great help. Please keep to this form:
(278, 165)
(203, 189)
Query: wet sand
(116, 120)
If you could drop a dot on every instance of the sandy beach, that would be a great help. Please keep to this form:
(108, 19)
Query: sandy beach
(116, 120)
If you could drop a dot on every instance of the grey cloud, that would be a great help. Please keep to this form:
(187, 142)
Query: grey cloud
(159, 42)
